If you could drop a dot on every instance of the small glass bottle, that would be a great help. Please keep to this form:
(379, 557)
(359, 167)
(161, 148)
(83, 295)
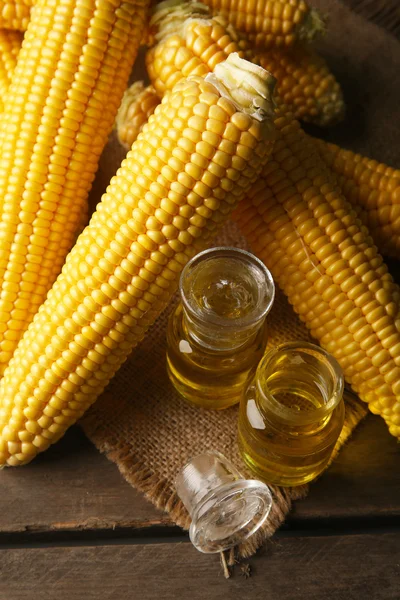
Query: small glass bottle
(216, 336)
(291, 415)
(225, 508)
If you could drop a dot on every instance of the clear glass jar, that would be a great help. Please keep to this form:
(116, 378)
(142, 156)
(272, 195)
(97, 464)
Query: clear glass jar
(291, 415)
(216, 336)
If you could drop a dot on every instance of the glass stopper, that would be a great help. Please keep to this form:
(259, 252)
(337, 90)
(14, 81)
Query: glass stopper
(226, 509)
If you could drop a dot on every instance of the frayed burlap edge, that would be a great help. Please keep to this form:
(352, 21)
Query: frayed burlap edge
(158, 490)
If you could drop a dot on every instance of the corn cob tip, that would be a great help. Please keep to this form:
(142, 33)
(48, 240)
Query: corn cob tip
(313, 26)
(131, 94)
(138, 104)
(249, 86)
(169, 16)
(331, 113)
(166, 6)
(305, 84)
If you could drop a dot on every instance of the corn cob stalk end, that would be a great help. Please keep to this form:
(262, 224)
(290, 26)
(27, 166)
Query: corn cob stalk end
(249, 86)
(169, 16)
(138, 103)
(313, 26)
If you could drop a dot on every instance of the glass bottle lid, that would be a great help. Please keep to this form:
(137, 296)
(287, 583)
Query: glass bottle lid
(225, 508)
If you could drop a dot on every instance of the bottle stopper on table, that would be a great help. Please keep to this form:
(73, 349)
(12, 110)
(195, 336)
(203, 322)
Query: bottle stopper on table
(225, 508)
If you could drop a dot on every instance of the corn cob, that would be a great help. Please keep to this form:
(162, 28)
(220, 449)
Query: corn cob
(305, 84)
(189, 41)
(300, 225)
(373, 190)
(370, 187)
(269, 23)
(372, 201)
(138, 103)
(15, 14)
(195, 159)
(328, 266)
(68, 83)
(10, 44)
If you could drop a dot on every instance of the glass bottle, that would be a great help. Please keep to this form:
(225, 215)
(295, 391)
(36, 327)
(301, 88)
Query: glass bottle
(291, 415)
(216, 336)
(225, 508)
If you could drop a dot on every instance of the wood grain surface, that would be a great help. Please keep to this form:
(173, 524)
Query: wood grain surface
(385, 13)
(313, 567)
(362, 483)
(73, 489)
(71, 528)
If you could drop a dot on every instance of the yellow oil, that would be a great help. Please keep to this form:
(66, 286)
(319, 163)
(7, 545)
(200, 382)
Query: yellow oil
(212, 359)
(223, 288)
(279, 440)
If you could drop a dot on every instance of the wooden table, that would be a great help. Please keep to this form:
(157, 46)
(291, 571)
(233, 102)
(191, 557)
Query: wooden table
(72, 529)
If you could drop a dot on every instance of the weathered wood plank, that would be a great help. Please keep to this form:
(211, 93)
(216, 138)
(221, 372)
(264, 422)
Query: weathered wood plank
(301, 567)
(363, 482)
(385, 13)
(72, 487)
(69, 487)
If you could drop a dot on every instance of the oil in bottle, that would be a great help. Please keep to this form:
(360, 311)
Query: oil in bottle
(291, 415)
(217, 335)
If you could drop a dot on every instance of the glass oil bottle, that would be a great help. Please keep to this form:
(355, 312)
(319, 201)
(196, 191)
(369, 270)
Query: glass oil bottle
(291, 415)
(217, 335)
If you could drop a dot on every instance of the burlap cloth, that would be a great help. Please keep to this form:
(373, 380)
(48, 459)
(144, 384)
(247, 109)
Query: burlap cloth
(139, 422)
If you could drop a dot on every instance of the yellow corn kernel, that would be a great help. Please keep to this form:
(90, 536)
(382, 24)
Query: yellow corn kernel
(15, 14)
(68, 83)
(188, 42)
(305, 84)
(374, 191)
(197, 47)
(301, 226)
(269, 23)
(319, 247)
(10, 44)
(138, 104)
(93, 317)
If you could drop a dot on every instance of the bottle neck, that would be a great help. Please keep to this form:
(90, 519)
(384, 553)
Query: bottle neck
(263, 412)
(298, 385)
(226, 294)
(217, 337)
